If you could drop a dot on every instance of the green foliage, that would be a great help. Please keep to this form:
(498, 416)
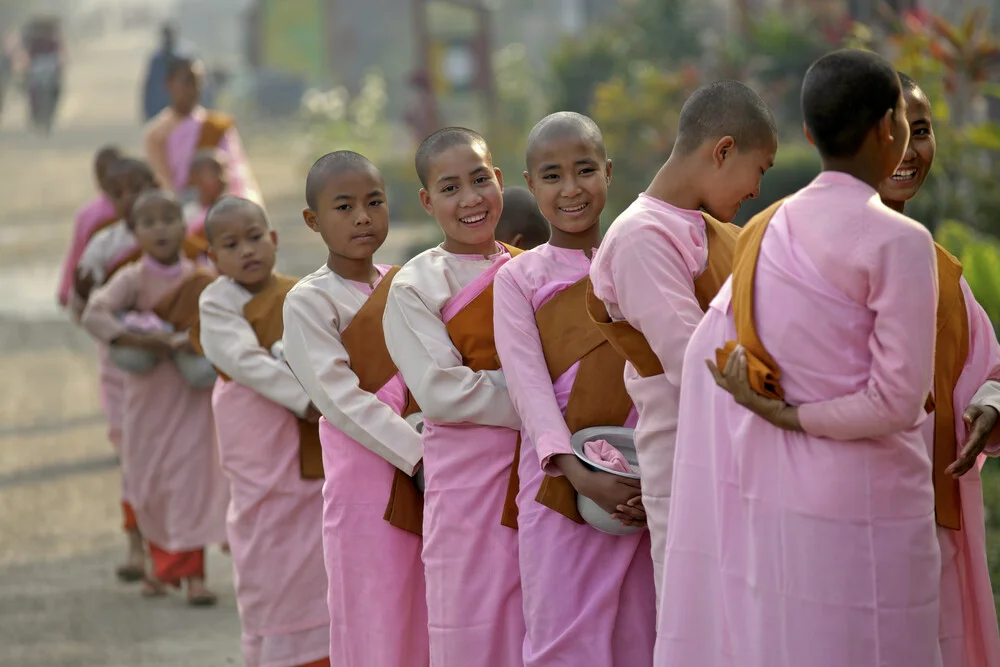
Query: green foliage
(980, 259)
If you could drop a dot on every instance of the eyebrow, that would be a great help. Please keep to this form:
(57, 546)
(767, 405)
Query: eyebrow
(554, 166)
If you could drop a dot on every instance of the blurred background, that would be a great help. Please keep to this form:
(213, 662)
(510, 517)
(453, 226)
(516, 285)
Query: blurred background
(305, 77)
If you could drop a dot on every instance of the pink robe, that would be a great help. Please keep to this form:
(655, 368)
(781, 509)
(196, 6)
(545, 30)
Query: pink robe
(181, 144)
(816, 548)
(98, 211)
(169, 459)
(588, 597)
(969, 635)
(644, 273)
(102, 253)
(470, 430)
(274, 522)
(377, 603)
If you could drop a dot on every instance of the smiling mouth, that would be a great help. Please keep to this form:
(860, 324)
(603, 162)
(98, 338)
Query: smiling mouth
(904, 175)
(572, 210)
(474, 219)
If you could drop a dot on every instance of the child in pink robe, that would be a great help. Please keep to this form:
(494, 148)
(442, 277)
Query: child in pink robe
(805, 536)
(274, 522)
(470, 426)
(645, 269)
(169, 459)
(588, 596)
(177, 133)
(969, 635)
(92, 218)
(377, 602)
(107, 251)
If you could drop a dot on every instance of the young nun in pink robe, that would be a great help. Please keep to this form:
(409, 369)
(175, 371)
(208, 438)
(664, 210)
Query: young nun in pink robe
(275, 516)
(588, 596)
(646, 269)
(969, 635)
(109, 250)
(470, 426)
(332, 340)
(176, 134)
(169, 459)
(92, 218)
(805, 536)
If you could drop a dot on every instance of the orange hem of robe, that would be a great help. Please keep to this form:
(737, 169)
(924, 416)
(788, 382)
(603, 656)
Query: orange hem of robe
(325, 662)
(172, 567)
(129, 522)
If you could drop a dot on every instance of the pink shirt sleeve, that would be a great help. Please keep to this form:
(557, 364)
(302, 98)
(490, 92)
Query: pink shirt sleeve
(902, 293)
(520, 349)
(655, 293)
(119, 294)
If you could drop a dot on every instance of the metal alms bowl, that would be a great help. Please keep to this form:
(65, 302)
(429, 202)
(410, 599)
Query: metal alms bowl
(416, 420)
(623, 440)
(196, 370)
(132, 359)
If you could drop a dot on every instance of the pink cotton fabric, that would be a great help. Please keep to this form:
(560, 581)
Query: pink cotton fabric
(470, 559)
(601, 451)
(98, 211)
(182, 144)
(969, 634)
(819, 548)
(588, 597)
(374, 620)
(169, 458)
(111, 392)
(274, 522)
(644, 272)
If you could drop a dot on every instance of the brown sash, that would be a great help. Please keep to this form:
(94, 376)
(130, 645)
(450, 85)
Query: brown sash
(720, 240)
(179, 306)
(471, 331)
(763, 372)
(364, 341)
(122, 263)
(196, 244)
(951, 351)
(213, 129)
(598, 396)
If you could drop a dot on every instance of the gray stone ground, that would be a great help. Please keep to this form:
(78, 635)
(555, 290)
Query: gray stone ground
(60, 605)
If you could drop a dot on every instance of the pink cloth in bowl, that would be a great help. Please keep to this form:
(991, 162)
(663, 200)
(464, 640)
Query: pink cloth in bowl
(145, 322)
(602, 452)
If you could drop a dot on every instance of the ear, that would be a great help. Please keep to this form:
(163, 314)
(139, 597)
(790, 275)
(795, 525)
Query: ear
(809, 136)
(499, 175)
(607, 171)
(884, 127)
(530, 181)
(724, 147)
(425, 201)
(309, 216)
(274, 238)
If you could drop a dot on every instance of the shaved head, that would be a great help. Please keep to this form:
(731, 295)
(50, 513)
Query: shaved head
(844, 96)
(561, 125)
(332, 164)
(725, 109)
(226, 207)
(441, 141)
(521, 217)
(130, 165)
(208, 157)
(156, 195)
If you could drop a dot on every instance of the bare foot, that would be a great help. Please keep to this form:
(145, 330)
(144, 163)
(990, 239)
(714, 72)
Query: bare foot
(153, 588)
(199, 595)
(134, 568)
